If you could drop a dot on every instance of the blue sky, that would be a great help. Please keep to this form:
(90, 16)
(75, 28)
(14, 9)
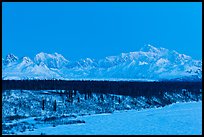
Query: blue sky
(96, 30)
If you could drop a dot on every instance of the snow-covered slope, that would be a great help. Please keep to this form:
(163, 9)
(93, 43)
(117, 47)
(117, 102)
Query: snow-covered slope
(25, 68)
(51, 60)
(150, 63)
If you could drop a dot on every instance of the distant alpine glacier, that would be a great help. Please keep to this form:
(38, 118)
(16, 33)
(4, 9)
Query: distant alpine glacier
(147, 64)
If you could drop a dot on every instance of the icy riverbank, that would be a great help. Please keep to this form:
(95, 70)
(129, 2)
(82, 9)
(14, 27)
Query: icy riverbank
(178, 118)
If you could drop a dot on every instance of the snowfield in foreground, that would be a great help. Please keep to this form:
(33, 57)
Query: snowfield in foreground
(176, 119)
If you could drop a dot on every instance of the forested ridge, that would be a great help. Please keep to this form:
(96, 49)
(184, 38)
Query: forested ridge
(131, 88)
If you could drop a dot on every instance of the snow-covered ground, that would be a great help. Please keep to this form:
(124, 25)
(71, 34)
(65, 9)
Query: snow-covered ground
(178, 118)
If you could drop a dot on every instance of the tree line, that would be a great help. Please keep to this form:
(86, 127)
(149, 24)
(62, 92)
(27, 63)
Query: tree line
(130, 88)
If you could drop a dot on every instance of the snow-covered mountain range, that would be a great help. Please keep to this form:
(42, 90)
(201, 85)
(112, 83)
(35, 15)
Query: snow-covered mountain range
(149, 63)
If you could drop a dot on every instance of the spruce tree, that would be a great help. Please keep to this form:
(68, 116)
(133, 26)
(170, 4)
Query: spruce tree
(43, 104)
(55, 106)
(78, 100)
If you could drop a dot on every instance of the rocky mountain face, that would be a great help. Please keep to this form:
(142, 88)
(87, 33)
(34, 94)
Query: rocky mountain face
(149, 63)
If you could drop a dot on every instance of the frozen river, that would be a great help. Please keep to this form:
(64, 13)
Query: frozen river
(179, 118)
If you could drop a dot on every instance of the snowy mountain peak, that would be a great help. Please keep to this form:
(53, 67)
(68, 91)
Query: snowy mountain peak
(89, 60)
(44, 56)
(82, 63)
(51, 60)
(86, 61)
(26, 59)
(183, 56)
(149, 48)
(57, 55)
(10, 58)
(41, 55)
